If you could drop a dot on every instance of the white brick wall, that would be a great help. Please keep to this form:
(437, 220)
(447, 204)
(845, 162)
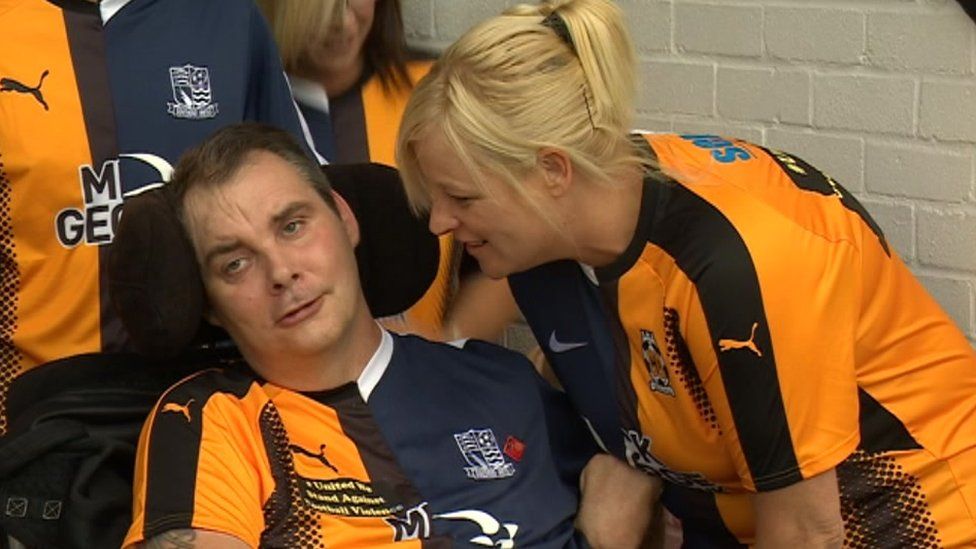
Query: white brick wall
(881, 94)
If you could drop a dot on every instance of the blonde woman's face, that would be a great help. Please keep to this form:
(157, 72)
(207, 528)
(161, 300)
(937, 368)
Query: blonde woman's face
(496, 225)
(342, 50)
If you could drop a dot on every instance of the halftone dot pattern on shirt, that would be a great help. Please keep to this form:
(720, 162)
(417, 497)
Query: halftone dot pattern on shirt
(903, 520)
(680, 358)
(291, 524)
(10, 357)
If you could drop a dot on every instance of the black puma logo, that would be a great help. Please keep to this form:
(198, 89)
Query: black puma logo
(9, 84)
(319, 456)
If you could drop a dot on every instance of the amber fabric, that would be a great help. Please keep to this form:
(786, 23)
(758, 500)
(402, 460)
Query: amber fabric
(269, 466)
(772, 335)
(41, 143)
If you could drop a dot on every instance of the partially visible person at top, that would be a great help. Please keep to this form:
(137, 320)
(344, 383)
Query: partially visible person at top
(727, 317)
(97, 101)
(338, 433)
(351, 74)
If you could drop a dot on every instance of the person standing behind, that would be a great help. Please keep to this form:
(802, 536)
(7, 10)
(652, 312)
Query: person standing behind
(97, 100)
(727, 317)
(351, 74)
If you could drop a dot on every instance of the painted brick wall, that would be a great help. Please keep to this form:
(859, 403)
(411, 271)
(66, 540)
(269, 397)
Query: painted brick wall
(881, 94)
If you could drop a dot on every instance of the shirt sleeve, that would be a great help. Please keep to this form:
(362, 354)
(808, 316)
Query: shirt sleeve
(572, 444)
(195, 469)
(780, 294)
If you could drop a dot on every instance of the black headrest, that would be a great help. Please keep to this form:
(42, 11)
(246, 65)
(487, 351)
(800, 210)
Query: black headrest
(155, 282)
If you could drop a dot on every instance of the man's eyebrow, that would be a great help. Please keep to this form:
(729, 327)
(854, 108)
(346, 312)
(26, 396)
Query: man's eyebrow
(220, 249)
(289, 210)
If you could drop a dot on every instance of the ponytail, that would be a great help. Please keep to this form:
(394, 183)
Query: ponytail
(559, 74)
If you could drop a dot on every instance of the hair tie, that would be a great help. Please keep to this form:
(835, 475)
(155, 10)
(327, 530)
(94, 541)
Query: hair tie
(558, 26)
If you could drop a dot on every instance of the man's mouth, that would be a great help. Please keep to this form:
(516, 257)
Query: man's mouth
(300, 313)
(472, 245)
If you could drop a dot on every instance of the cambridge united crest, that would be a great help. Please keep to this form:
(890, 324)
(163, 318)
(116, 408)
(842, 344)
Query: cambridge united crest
(485, 459)
(192, 96)
(660, 381)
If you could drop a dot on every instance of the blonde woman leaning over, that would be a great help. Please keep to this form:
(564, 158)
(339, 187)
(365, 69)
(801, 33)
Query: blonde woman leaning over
(351, 74)
(728, 318)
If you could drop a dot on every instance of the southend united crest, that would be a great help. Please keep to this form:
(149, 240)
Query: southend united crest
(192, 95)
(483, 455)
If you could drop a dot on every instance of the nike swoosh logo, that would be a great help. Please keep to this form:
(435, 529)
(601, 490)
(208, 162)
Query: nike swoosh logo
(557, 346)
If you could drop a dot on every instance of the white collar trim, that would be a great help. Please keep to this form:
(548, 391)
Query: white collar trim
(309, 93)
(376, 366)
(108, 8)
(589, 272)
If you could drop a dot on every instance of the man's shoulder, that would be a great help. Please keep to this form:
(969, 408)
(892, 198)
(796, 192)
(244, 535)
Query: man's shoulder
(462, 366)
(202, 386)
(474, 352)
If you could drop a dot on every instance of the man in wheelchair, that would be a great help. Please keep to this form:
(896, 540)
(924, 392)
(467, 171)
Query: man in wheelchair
(333, 431)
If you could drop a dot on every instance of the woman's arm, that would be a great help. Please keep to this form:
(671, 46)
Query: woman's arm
(806, 514)
(617, 503)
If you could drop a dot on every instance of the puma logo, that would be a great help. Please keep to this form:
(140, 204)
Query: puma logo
(729, 344)
(179, 408)
(320, 457)
(9, 84)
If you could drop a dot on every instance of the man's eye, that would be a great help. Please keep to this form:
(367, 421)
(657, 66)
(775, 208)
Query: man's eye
(234, 266)
(292, 227)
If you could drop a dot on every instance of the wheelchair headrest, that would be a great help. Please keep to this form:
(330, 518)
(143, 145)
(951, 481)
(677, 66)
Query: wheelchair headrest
(155, 282)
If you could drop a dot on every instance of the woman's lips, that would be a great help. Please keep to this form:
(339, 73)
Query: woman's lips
(474, 245)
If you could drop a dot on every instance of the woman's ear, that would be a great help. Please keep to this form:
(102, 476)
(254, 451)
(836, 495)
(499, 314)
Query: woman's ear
(347, 217)
(556, 168)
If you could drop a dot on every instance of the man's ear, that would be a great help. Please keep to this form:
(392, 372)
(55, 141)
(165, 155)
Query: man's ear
(210, 316)
(348, 219)
(556, 168)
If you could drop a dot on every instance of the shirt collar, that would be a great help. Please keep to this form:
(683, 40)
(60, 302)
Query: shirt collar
(377, 365)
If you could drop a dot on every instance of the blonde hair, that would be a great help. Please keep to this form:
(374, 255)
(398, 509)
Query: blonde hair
(296, 24)
(511, 86)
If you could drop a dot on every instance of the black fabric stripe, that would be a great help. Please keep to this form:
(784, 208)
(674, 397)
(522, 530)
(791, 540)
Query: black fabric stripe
(812, 179)
(881, 431)
(387, 478)
(80, 6)
(701, 523)
(174, 449)
(385, 474)
(626, 396)
(712, 254)
(87, 44)
(650, 196)
(349, 126)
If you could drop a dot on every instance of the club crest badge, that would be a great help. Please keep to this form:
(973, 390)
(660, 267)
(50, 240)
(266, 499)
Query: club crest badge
(660, 381)
(483, 455)
(192, 94)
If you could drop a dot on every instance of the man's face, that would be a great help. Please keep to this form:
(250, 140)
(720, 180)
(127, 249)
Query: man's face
(277, 262)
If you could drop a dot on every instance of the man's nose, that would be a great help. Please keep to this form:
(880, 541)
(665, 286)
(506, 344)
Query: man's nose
(282, 272)
(441, 221)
